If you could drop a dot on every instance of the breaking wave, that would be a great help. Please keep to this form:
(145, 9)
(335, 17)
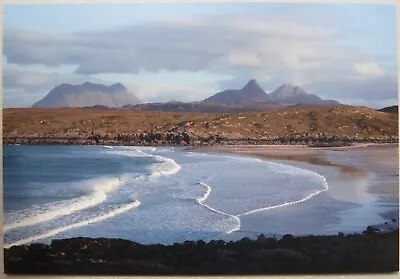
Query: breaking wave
(29, 217)
(119, 210)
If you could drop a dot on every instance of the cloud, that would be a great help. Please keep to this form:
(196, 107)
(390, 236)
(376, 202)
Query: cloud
(161, 92)
(20, 78)
(198, 44)
(17, 98)
(368, 89)
(273, 49)
(369, 70)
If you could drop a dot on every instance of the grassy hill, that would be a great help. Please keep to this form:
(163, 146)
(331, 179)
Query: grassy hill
(300, 124)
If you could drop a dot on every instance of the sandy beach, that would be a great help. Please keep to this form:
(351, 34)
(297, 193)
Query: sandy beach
(363, 189)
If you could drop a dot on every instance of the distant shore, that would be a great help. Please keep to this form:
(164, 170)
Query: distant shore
(183, 139)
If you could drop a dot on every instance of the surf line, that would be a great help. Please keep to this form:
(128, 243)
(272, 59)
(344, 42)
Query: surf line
(288, 203)
(201, 199)
(237, 217)
(99, 195)
(110, 214)
(174, 167)
(326, 187)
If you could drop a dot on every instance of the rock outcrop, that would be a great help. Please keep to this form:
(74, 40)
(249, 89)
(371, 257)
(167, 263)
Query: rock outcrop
(354, 253)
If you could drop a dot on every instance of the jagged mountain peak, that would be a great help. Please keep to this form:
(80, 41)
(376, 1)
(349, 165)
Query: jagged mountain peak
(251, 84)
(253, 88)
(251, 92)
(288, 91)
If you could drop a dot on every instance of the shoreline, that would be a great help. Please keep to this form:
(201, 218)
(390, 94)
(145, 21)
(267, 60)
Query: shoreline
(184, 139)
(311, 156)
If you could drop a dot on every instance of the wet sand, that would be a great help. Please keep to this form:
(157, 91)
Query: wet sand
(363, 189)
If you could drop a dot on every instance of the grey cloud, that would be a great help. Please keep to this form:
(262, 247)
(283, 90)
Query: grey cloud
(17, 98)
(369, 89)
(183, 45)
(35, 80)
(287, 50)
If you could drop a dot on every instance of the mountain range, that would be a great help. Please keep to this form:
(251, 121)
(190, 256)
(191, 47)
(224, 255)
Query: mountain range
(285, 94)
(250, 97)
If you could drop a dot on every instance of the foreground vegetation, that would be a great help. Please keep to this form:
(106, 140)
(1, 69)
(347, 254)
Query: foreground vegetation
(318, 125)
(369, 252)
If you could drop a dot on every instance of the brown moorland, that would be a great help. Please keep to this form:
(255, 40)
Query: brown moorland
(299, 124)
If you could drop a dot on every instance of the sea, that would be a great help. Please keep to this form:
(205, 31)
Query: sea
(145, 194)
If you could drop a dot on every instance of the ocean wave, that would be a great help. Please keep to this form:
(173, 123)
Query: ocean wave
(166, 166)
(29, 217)
(285, 169)
(107, 146)
(326, 187)
(119, 210)
(278, 168)
(200, 200)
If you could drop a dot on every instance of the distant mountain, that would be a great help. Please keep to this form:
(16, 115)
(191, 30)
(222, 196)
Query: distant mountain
(87, 95)
(287, 91)
(291, 95)
(251, 92)
(391, 109)
(285, 94)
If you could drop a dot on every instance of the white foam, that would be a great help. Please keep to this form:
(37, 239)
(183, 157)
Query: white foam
(53, 232)
(282, 168)
(54, 210)
(292, 202)
(128, 152)
(107, 146)
(166, 166)
(201, 200)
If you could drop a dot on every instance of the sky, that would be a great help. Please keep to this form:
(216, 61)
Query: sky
(190, 51)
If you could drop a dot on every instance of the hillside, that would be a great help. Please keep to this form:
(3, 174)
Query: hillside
(87, 94)
(280, 125)
(391, 109)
